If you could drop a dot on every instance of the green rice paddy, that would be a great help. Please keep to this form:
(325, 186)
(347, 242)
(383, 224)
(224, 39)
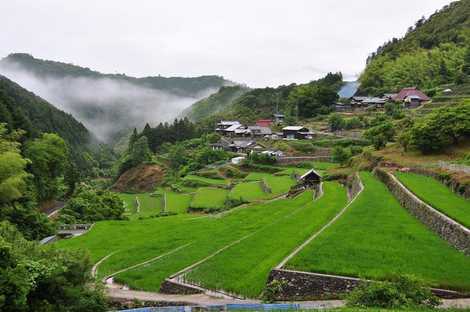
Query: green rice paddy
(244, 268)
(377, 238)
(207, 198)
(438, 196)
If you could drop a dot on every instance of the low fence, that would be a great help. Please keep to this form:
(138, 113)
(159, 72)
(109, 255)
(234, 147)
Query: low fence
(448, 229)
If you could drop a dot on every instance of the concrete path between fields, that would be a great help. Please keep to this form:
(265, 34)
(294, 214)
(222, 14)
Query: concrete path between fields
(117, 293)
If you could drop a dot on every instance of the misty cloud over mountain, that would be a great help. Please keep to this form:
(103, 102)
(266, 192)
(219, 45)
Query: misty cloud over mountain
(105, 104)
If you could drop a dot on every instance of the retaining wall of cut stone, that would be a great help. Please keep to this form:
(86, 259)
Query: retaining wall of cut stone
(354, 186)
(300, 159)
(173, 287)
(296, 285)
(448, 229)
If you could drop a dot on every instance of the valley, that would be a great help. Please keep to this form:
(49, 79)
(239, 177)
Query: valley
(341, 192)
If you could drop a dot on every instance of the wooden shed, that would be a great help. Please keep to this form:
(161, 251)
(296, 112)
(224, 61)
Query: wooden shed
(310, 178)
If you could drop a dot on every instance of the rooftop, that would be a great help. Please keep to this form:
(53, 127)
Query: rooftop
(293, 128)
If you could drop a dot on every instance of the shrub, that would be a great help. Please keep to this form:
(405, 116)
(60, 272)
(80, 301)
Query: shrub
(401, 292)
(341, 155)
(303, 147)
(441, 128)
(380, 135)
(263, 159)
(336, 122)
(273, 290)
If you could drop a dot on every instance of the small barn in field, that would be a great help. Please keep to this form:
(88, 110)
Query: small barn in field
(310, 179)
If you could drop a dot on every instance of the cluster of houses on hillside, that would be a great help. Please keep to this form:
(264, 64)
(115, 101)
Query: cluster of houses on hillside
(407, 97)
(240, 138)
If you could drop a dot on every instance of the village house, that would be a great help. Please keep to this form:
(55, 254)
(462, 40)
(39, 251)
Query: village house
(258, 131)
(266, 123)
(340, 107)
(296, 133)
(279, 118)
(237, 145)
(358, 102)
(376, 102)
(245, 146)
(411, 97)
(227, 127)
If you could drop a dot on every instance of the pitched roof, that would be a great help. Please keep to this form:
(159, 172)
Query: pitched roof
(407, 92)
(306, 174)
(262, 130)
(228, 122)
(293, 128)
(233, 127)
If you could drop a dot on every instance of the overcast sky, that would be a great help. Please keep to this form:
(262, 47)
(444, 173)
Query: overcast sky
(257, 42)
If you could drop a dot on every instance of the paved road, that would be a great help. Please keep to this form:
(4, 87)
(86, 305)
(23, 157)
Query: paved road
(52, 211)
(116, 292)
(204, 300)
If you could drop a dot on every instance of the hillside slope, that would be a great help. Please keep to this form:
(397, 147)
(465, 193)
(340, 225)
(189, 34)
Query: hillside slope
(107, 104)
(215, 103)
(434, 51)
(21, 109)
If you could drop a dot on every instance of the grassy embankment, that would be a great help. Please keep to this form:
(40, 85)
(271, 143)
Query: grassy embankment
(377, 238)
(438, 196)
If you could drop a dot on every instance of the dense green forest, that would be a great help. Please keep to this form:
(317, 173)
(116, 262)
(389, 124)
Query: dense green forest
(215, 103)
(434, 51)
(295, 101)
(177, 85)
(21, 109)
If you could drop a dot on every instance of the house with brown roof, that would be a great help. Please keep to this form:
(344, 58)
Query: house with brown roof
(411, 97)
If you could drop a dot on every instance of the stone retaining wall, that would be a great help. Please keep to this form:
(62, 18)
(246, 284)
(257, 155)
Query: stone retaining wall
(451, 231)
(354, 185)
(300, 159)
(305, 285)
(298, 285)
(176, 288)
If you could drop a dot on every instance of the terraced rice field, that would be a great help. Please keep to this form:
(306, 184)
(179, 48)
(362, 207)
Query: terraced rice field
(134, 242)
(248, 192)
(177, 202)
(438, 196)
(207, 198)
(149, 205)
(279, 184)
(244, 268)
(376, 238)
(202, 181)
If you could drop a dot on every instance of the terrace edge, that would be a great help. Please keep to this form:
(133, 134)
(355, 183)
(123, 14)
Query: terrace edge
(448, 229)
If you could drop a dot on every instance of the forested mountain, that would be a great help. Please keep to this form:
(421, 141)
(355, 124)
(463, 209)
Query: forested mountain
(108, 103)
(434, 51)
(21, 109)
(215, 103)
(295, 101)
